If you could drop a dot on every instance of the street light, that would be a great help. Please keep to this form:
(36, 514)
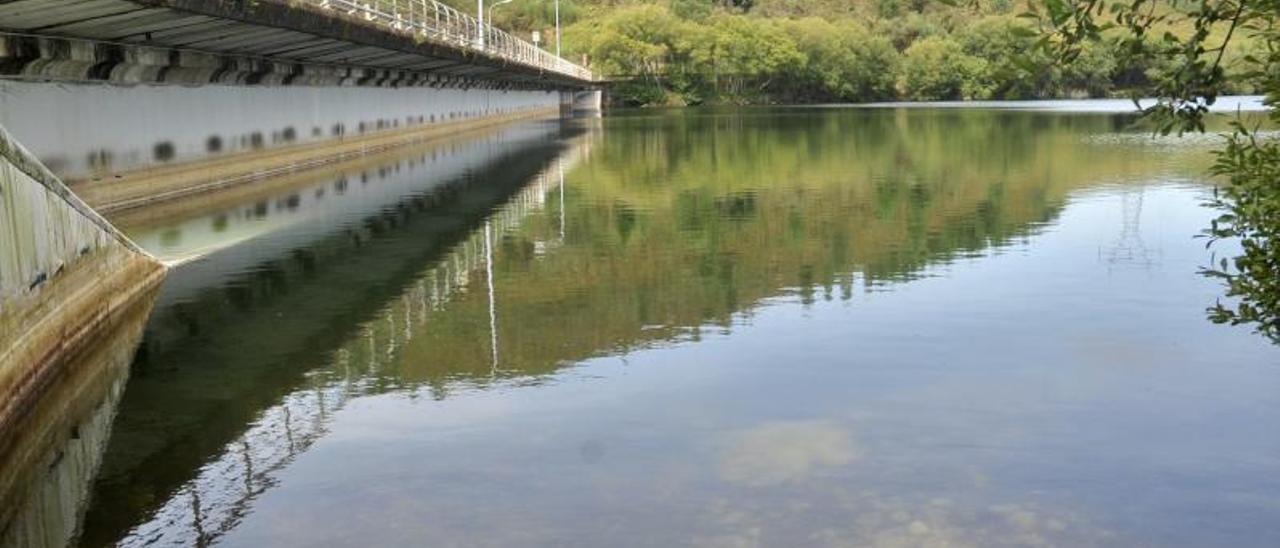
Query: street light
(480, 23)
(494, 5)
(481, 18)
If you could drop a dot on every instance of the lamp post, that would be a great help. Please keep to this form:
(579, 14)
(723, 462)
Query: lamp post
(480, 23)
(494, 5)
(482, 17)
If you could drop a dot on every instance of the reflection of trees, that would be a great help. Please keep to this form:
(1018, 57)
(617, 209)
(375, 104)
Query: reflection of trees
(663, 239)
(686, 221)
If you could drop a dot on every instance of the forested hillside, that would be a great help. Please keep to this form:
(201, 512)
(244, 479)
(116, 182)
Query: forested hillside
(759, 51)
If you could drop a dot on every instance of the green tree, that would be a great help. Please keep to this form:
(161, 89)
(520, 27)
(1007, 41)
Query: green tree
(1003, 42)
(937, 68)
(1090, 73)
(692, 9)
(910, 27)
(636, 44)
(743, 55)
(523, 16)
(843, 60)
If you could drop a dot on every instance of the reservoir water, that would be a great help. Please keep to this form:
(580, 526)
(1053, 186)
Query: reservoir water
(733, 327)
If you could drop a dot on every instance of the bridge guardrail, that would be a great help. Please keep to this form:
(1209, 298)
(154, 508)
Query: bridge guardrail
(435, 21)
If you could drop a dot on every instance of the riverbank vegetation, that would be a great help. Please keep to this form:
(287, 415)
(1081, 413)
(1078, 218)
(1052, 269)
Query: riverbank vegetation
(688, 52)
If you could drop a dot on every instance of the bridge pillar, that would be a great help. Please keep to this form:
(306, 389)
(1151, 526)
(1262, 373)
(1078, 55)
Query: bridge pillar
(589, 102)
(566, 104)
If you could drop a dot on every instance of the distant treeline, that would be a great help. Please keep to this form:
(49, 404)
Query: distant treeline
(673, 52)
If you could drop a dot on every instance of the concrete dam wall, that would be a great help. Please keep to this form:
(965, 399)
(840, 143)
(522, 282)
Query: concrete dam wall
(126, 147)
(86, 131)
(68, 280)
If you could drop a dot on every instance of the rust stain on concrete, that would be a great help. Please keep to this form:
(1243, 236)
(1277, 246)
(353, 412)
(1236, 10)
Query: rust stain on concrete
(68, 280)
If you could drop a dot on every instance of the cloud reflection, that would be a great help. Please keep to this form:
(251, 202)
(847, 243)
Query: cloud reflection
(779, 452)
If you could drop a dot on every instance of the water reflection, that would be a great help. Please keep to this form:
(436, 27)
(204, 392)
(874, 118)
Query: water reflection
(887, 327)
(310, 288)
(1129, 250)
(780, 452)
(48, 459)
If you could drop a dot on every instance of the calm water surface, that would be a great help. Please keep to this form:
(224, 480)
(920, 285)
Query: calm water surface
(798, 327)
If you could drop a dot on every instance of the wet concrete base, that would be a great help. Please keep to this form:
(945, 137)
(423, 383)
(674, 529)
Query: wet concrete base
(72, 311)
(140, 189)
(137, 221)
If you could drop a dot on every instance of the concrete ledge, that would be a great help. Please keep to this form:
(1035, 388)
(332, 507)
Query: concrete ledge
(71, 313)
(174, 211)
(158, 185)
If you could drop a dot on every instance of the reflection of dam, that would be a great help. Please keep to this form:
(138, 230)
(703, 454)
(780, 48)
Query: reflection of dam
(314, 284)
(56, 449)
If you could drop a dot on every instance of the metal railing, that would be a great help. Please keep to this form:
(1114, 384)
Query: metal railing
(433, 21)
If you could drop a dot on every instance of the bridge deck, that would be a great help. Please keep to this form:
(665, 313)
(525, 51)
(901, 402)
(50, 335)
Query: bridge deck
(403, 35)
